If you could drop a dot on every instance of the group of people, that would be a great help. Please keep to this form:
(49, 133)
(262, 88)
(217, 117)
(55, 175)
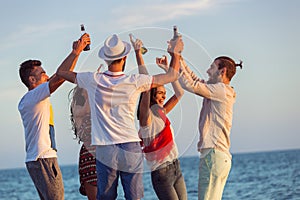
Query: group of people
(103, 108)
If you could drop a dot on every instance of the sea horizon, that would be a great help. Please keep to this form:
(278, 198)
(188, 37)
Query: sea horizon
(183, 156)
(254, 175)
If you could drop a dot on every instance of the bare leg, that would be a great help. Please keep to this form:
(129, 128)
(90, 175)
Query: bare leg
(91, 191)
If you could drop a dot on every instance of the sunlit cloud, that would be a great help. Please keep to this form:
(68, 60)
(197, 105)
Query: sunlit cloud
(142, 13)
(148, 14)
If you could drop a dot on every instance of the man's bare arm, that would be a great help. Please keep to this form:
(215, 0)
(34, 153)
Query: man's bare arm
(65, 70)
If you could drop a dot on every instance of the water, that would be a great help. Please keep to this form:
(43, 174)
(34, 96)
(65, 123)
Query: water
(258, 176)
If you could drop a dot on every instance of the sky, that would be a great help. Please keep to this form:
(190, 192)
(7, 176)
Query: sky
(263, 34)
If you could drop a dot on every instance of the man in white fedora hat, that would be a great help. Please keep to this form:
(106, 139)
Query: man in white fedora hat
(113, 97)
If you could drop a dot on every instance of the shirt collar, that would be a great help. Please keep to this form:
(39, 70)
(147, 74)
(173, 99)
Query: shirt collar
(110, 73)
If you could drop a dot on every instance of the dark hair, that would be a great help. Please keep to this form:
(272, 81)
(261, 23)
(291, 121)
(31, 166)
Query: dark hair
(26, 68)
(152, 100)
(229, 64)
(138, 108)
(116, 61)
(152, 96)
(110, 62)
(75, 93)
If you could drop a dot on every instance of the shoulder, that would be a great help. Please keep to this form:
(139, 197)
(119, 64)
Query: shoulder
(222, 90)
(34, 96)
(85, 74)
(215, 87)
(140, 76)
(142, 81)
(84, 78)
(40, 91)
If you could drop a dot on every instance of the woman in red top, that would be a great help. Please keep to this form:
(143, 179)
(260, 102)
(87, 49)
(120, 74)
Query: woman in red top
(158, 136)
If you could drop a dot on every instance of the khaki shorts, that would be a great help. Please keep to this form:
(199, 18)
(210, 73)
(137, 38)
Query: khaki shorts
(47, 178)
(214, 169)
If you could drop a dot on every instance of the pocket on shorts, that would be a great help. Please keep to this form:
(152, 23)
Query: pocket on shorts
(221, 162)
(54, 170)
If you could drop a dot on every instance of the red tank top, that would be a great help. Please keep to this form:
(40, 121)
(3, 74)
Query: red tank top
(162, 144)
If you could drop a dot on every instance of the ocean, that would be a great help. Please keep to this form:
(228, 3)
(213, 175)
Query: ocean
(258, 176)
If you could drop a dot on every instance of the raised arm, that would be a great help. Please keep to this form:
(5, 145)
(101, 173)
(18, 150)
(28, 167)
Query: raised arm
(65, 70)
(189, 72)
(171, 103)
(137, 45)
(175, 48)
(144, 109)
(144, 104)
(190, 82)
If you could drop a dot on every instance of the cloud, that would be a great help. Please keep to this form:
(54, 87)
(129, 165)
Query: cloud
(148, 14)
(29, 33)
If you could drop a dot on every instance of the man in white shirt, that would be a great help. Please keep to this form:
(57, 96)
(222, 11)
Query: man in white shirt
(113, 97)
(214, 124)
(37, 116)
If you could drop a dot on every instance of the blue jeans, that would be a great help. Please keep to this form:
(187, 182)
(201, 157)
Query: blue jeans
(214, 169)
(168, 182)
(120, 160)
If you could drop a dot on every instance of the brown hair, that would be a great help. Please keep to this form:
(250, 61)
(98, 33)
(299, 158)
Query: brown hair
(75, 93)
(152, 100)
(110, 62)
(229, 64)
(26, 68)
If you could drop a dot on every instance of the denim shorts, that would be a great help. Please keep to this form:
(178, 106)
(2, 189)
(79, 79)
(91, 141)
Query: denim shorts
(120, 160)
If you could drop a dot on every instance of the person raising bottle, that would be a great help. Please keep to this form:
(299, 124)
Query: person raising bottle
(157, 135)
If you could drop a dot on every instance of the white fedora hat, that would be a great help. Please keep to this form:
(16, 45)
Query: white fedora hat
(114, 48)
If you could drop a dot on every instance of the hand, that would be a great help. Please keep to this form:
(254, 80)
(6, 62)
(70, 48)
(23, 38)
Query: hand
(80, 44)
(175, 46)
(137, 44)
(163, 63)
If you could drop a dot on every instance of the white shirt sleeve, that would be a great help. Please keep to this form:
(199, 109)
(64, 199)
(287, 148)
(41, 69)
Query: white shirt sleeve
(84, 79)
(195, 85)
(36, 95)
(143, 82)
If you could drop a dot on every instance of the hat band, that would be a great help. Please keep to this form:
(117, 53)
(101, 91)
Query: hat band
(115, 56)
